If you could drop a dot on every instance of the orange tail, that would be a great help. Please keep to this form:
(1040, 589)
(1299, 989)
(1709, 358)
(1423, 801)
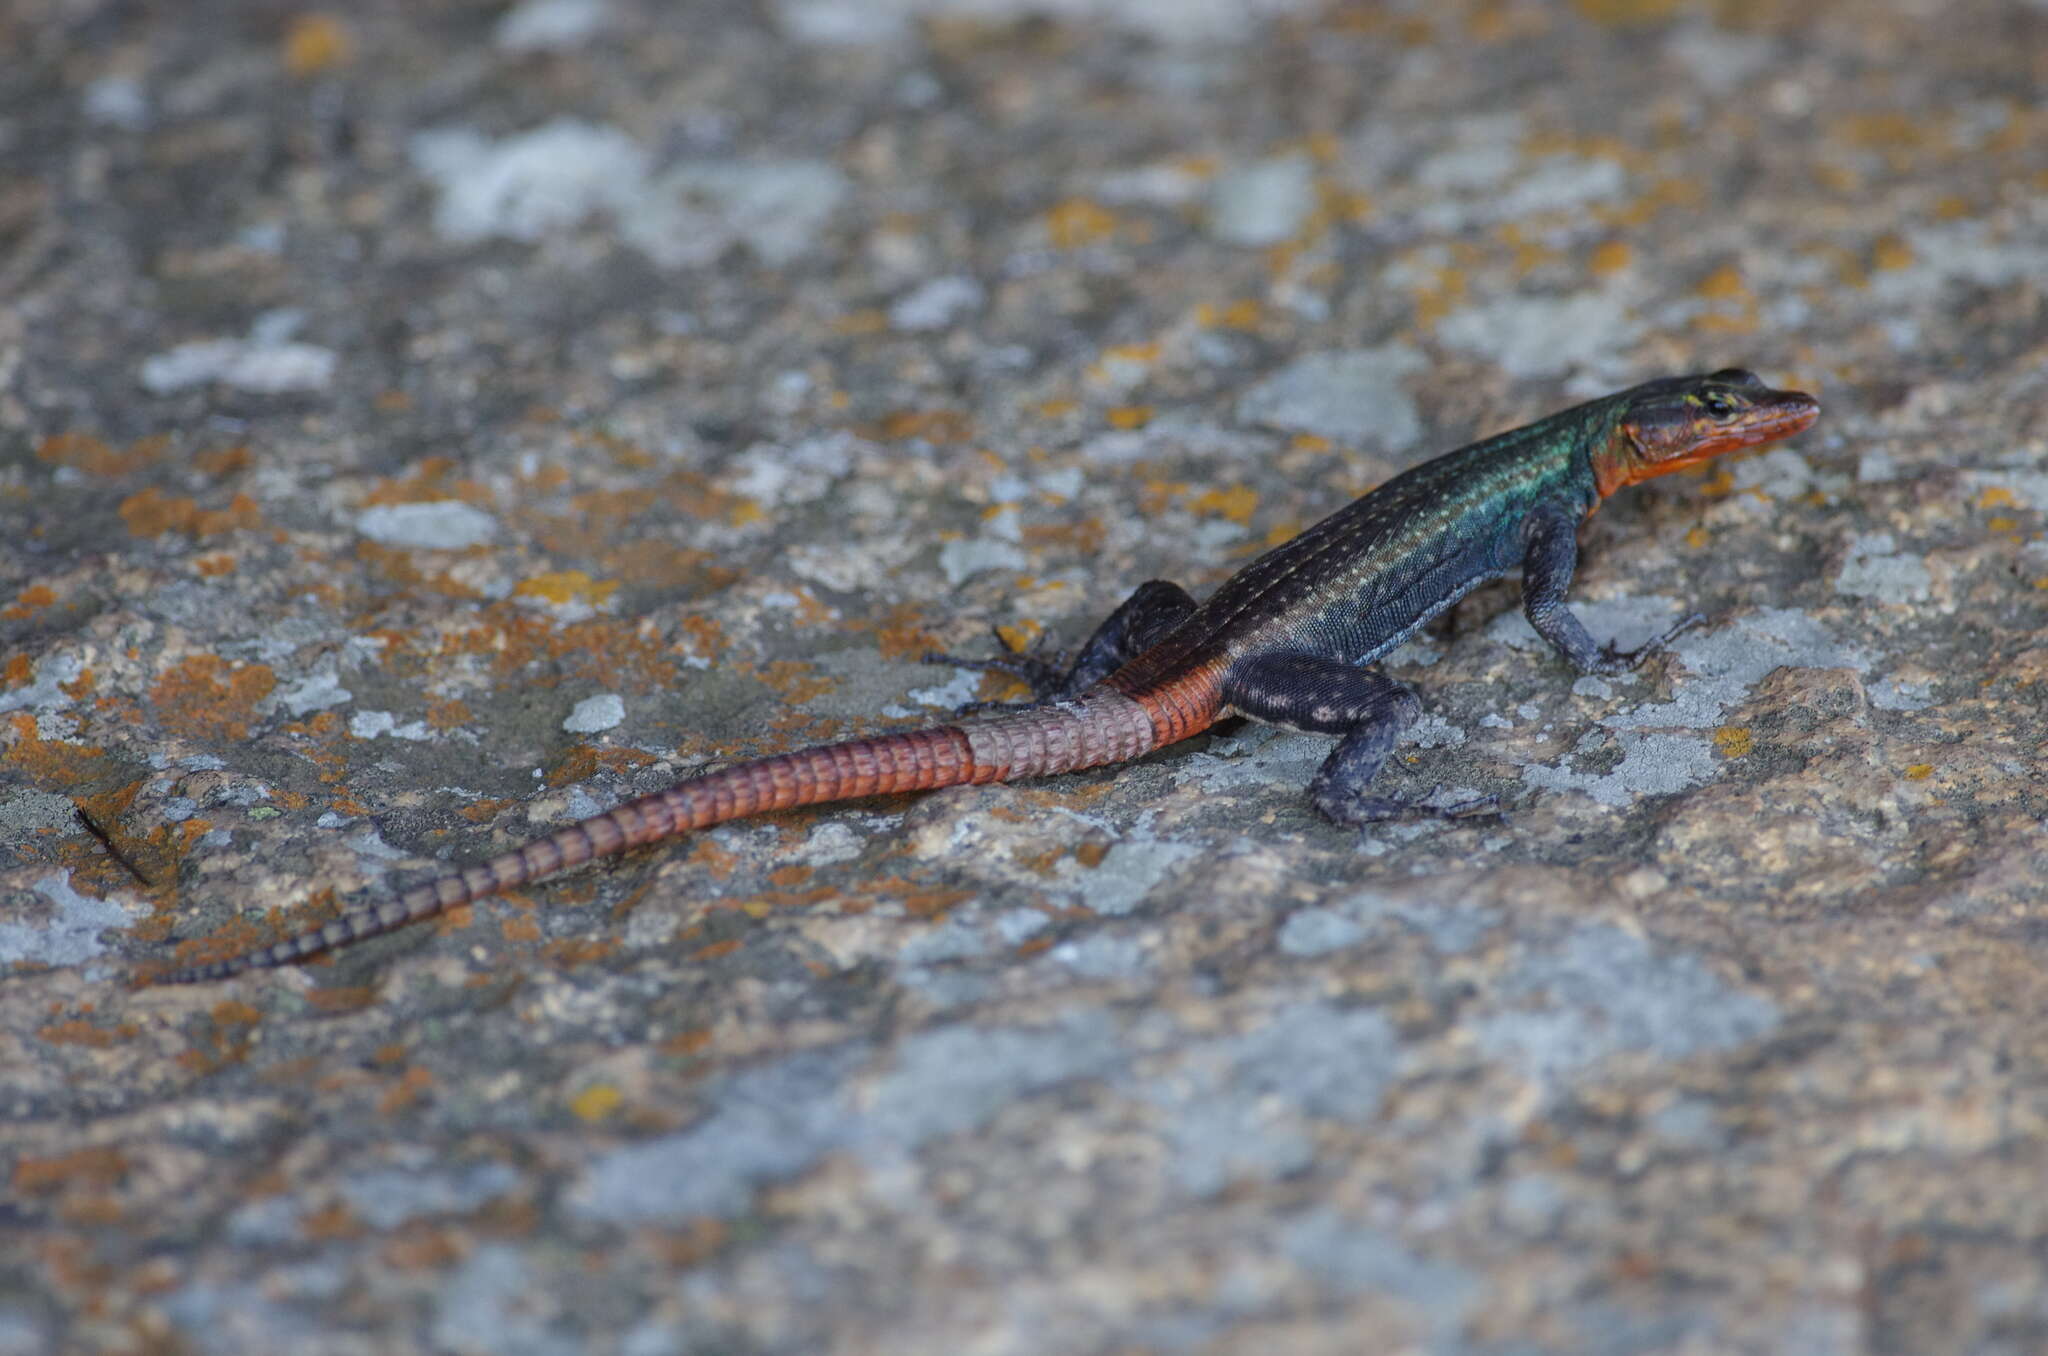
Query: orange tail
(1099, 727)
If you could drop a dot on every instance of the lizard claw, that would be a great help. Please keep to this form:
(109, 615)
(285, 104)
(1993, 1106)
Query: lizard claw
(1613, 660)
(1040, 668)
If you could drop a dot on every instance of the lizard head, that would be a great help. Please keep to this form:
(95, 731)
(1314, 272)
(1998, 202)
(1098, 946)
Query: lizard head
(1666, 425)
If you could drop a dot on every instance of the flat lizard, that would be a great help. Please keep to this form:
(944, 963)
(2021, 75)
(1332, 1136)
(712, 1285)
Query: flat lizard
(1287, 640)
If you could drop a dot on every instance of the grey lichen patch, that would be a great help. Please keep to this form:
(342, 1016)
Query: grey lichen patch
(1876, 568)
(778, 1120)
(961, 560)
(1601, 991)
(45, 689)
(937, 303)
(1370, 915)
(64, 929)
(1264, 203)
(268, 362)
(1721, 666)
(524, 186)
(385, 1198)
(316, 692)
(1723, 663)
(1125, 878)
(1239, 1108)
(1349, 1259)
(1172, 21)
(594, 715)
(1101, 956)
(27, 812)
(1653, 763)
(1318, 932)
(1545, 336)
(1356, 397)
(496, 1301)
(778, 209)
(551, 25)
(1258, 756)
(439, 525)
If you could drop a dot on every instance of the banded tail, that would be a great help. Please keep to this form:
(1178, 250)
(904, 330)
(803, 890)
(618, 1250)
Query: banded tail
(1102, 725)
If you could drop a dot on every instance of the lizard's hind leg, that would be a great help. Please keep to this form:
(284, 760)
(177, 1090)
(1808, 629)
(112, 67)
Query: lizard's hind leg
(1150, 612)
(1319, 695)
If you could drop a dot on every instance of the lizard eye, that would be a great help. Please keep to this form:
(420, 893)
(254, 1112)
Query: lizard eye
(1718, 404)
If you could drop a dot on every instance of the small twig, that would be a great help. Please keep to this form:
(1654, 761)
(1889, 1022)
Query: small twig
(108, 843)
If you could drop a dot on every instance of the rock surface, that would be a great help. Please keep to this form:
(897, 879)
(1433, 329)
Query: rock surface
(420, 425)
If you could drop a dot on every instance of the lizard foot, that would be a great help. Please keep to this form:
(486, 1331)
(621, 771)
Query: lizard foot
(1043, 670)
(1612, 660)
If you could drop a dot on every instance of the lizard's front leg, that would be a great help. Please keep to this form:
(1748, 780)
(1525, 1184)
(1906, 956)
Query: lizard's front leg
(1327, 696)
(1145, 617)
(1552, 554)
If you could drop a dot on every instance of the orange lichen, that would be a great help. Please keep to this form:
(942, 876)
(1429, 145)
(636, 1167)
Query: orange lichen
(152, 513)
(867, 320)
(690, 1042)
(1662, 195)
(585, 761)
(562, 587)
(572, 951)
(1625, 13)
(1723, 284)
(904, 633)
(796, 682)
(1437, 299)
(83, 452)
(331, 1223)
(410, 1087)
(1889, 130)
(314, 43)
(28, 602)
(78, 1031)
(483, 811)
(208, 699)
(99, 1167)
(933, 426)
(520, 928)
(450, 714)
(429, 483)
(1129, 416)
(52, 763)
(1243, 314)
(1889, 253)
(595, 1102)
(221, 461)
(1075, 222)
(1733, 741)
(1237, 503)
(1529, 254)
(1609, 256)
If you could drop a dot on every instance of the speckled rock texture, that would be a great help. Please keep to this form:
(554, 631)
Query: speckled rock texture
(423, 424)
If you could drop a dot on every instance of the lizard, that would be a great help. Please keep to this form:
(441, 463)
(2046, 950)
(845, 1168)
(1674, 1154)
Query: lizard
(1289, 640)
